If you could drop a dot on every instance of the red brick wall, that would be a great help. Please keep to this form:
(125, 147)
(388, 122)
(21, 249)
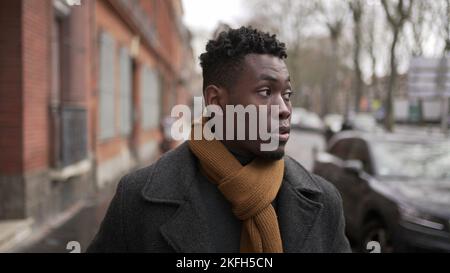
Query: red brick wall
(162, 14)
(171, 50)
(37, 19)
(24, 85)
(25, 75)
(79, 51)
(107, 19)
(10, 88)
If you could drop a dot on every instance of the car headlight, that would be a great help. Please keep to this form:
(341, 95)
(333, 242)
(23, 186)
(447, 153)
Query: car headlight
(412, 215)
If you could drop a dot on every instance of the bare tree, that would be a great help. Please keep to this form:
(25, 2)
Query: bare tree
(371, 45)
(357, 8)
(289, 19)
(446, 52)
(332, 15)
(397, 15)
(446, 28)
(422, 20)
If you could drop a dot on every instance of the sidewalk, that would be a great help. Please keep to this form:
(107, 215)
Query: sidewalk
(431, 130)
(13, 232)
(80, 224)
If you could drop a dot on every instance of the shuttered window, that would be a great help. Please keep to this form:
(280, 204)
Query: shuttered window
(125, 92)
(151, 100)
(106, 86)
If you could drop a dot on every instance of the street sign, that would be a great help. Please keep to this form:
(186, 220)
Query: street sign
(429, 77)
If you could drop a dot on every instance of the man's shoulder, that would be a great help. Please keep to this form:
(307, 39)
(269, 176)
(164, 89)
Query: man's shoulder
(301, 177)
(166, 175)
(161, 174)
(136, 179)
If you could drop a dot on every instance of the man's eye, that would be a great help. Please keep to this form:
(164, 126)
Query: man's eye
(264, 92)
(287, 95)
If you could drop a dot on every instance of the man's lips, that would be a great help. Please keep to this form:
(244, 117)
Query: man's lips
(283, 133)
(284, 130)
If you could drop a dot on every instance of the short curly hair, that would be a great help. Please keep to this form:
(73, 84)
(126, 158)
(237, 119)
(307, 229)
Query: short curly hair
(223, 58)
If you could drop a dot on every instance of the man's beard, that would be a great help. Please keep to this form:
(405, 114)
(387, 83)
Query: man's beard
(273, 155)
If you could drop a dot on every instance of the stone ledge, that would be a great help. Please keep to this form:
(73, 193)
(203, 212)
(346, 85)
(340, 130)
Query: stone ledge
(14, 231)
(76, 169)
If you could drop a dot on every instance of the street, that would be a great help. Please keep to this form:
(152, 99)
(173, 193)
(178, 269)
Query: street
(81, 227)
(303, 144)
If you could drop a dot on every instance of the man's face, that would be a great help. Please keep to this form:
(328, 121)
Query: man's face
(263, 80)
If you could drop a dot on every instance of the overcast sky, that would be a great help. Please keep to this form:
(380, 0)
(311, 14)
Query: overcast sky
(205, 14)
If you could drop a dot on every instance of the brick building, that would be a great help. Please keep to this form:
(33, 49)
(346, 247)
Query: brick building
(83, 87)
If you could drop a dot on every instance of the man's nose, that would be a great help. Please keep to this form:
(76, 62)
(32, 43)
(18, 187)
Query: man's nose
(285, 112)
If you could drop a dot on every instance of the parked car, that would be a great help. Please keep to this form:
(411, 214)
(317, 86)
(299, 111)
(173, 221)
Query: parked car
(306, 120)
(333, 124)
(395, 189)
(365, 122)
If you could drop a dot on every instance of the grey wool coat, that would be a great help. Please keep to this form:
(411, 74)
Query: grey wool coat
(160, 209)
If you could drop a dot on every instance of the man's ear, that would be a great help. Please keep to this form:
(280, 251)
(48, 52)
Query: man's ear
(215, 95)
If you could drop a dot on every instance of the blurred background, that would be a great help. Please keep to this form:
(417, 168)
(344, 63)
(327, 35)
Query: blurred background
(87, 86)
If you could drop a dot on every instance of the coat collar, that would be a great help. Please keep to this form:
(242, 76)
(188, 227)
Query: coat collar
(298, 206)
(172, 182)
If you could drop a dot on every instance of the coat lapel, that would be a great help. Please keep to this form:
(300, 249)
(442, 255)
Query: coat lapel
(297, 208)
(186, 231)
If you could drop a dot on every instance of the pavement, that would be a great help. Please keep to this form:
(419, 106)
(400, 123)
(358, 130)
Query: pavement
(80, 224)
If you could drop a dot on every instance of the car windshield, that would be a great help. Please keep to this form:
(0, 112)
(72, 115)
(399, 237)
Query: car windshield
(413, 160)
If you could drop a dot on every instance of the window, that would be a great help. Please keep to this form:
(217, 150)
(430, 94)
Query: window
(151, 103)
(68, 121)
(106, 85)
(125, 92)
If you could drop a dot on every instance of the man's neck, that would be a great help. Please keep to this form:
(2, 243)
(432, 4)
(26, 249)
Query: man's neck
(243, 158)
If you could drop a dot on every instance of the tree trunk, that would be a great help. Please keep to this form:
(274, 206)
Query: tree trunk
(333, 87)
(358, 84)
(389, 117)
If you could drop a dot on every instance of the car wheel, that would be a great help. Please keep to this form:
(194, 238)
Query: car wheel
(375, 231)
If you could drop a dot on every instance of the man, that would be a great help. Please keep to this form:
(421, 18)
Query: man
(229, 195)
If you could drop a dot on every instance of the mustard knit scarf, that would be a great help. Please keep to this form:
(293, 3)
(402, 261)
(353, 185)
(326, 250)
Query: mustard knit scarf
(250, 189)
